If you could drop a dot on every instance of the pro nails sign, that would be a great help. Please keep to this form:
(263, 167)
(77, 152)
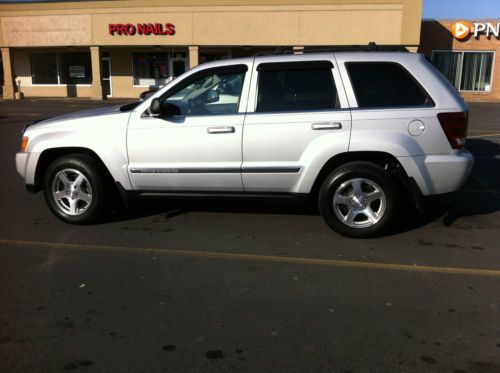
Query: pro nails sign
(130, 29)
(462, 29)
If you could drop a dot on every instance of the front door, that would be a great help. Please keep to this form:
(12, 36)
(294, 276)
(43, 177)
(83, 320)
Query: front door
(200, 149)
(106, 77)
(297, 118)
(1, 76)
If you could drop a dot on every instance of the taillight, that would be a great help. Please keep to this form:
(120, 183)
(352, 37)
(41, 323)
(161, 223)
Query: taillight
(455, 127)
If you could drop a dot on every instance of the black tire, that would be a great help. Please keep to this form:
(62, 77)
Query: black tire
(94, 182)
(343, 179)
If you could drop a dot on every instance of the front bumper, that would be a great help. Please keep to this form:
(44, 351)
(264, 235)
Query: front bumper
(21, 163)
(439, 174)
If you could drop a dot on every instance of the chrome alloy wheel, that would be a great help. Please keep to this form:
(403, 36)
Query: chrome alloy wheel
(71, 191)
(359, 203)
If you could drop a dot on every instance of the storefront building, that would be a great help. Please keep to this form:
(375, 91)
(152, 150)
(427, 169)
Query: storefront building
(466, 52)
(100, 49)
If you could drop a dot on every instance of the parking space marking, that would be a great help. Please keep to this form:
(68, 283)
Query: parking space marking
(489, 134)
(259, 258)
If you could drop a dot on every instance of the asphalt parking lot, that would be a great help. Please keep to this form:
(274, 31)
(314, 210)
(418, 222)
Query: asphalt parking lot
(244, 286)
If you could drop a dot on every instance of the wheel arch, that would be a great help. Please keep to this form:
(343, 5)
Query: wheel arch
(50, 155)
(384, 160)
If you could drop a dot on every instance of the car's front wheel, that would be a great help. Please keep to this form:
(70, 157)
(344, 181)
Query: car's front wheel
(358, 200)
(74, 189)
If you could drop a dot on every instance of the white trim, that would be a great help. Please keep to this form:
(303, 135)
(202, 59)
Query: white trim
(57, 85)
(57, 67)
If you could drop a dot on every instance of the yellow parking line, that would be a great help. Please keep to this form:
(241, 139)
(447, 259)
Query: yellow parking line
(262, 258)
(497, 134)
(483, 131)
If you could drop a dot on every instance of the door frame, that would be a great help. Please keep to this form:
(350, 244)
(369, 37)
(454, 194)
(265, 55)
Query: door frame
(171, 65)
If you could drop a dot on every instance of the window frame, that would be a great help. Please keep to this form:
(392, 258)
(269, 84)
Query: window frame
(58, 66)
(225, 69)
(323, 64)
(431, 104)
(462, 52)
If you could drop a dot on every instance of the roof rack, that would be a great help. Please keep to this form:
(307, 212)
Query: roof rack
(277, 51)
(370, 47)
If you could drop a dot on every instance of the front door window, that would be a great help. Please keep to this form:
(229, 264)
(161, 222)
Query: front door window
(208, 94)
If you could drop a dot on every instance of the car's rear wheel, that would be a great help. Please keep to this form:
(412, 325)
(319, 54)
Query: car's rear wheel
(358, 200)
(74, 189)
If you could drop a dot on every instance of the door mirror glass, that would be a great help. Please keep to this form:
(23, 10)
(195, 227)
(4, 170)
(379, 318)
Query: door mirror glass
(163, 108)
(213, 96)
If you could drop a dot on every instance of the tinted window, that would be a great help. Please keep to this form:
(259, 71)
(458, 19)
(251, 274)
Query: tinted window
(295, 87)
(211, 92)
(385, 84)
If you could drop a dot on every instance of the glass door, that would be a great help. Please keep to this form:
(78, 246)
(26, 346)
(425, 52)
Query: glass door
(177, 66)
(106, 77)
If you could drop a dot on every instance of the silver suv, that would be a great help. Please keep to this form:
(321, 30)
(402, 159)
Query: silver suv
(351, 130)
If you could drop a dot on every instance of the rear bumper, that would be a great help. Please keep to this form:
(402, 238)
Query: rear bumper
(439, 174)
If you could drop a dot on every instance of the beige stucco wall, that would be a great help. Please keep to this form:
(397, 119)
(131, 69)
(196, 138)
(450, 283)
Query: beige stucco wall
(56, 30)
(222, 22)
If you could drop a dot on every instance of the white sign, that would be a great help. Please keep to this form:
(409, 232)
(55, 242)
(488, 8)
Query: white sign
(77, 71)
(487, 28)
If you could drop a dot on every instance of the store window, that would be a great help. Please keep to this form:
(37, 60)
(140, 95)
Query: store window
(61, 68)
(150, 69)
(44, 68)
(385, 84)
(75, 68)
(466, 70)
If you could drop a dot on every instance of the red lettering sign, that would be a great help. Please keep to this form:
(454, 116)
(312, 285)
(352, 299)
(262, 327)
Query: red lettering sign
(129, 29)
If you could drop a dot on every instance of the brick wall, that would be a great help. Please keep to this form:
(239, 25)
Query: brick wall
(436, 35)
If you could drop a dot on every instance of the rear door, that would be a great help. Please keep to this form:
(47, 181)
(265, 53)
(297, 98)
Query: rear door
(294, 111)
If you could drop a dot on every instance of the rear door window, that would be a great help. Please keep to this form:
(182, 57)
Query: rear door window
(385, 84)
(296, 86)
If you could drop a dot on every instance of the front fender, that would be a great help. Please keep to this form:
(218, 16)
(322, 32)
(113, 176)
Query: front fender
(107, 141)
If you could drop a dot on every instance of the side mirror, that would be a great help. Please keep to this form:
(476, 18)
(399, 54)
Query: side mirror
(213, 96)
(165, 109)
(144, 95)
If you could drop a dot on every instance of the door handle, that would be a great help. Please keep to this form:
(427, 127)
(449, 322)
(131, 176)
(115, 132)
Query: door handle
(327, 126)
(215, 130)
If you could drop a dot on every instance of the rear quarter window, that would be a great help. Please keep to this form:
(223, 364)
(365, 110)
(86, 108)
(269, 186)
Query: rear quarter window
(385, 85)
